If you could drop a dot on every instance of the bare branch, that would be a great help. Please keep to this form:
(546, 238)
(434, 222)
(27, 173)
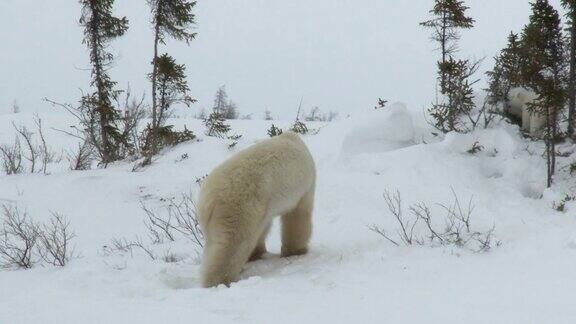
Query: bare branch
(457, 229)
(18, 238)
(55, 241)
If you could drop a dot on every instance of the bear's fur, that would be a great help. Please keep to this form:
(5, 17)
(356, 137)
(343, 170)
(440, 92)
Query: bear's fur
(519, 98)
(240, 197)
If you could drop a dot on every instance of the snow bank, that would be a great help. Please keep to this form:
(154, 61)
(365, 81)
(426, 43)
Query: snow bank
(350, 275)
(502, 155)
(380, 130)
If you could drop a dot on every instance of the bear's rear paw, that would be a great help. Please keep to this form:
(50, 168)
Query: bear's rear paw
(257, 254)
(288, 252)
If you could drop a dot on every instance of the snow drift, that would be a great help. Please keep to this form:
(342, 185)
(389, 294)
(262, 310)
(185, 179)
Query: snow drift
(380, 130)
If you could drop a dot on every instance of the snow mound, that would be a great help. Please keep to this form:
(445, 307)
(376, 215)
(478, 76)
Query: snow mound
(380, 130)
(503, 141)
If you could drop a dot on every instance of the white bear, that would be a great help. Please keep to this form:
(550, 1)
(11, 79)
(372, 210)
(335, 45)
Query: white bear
(519, 98)
(240, 197)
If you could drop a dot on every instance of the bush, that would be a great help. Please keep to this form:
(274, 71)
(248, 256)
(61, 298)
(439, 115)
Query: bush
(55, 240)
(18, 239)
(26, 148)
(457, 230)
(168, 225)
(164, 136)
(24, 243)
(299, 127)
(178, 218)
(274, 131)
(82, 158)
(216, 125)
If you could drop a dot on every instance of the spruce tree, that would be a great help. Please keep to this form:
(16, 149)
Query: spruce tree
(172, 85)
(506, 73)
(172, 88)
(544, 71)
(231, 110)
(274, 131)
(216, 125)
(170, 19)
(220, 101)
(570, 6)
(100, 28)
(459, 96)
(448, 16)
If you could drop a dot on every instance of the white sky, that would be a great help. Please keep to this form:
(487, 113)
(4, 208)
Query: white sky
(338, 54)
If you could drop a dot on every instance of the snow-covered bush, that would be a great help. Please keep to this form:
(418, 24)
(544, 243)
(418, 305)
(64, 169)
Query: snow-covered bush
(560, 206)
(274, 131)
(18, 239)
(55, 240)
(122, 245)
(177, 220)
(24, 243)
(299, 127)
(81, 158)
(27, 153)
(11, 157)
(420, 226)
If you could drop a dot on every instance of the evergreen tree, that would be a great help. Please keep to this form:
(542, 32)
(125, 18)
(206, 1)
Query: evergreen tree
(459, 95)
(314, 115)
(231, 110)
(222, 105)
(172, 88)
(201, 114)
(100, 28)
(170, 19)
(15, 107)
(268, 115)
(544, 71)
(570, 6)
(506, 73)
(448, 16)
(274, 131)
(216, 125)
(221, 101)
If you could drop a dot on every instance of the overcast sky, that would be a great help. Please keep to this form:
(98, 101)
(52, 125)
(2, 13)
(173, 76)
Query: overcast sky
(337, 54)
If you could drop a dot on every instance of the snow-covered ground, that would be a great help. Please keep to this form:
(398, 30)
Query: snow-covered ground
(351, 275)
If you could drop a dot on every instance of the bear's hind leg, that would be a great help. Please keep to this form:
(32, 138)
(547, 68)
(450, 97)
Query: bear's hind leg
(225, 253)
(526, 119)
(297, 227)
(260, 248)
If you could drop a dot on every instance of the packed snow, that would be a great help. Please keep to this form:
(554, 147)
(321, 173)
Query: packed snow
(351, 274)
(380, 131)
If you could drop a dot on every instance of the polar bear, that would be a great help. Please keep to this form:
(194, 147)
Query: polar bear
(240, 197)
(519, 99)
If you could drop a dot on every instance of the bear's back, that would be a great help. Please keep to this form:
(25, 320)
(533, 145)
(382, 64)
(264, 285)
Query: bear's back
(274, 169)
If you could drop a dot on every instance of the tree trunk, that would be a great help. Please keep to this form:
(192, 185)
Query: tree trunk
(572, 82)
(98, 70)
(443, 44)
(154, 75)
(155, 122)
(551, 128)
